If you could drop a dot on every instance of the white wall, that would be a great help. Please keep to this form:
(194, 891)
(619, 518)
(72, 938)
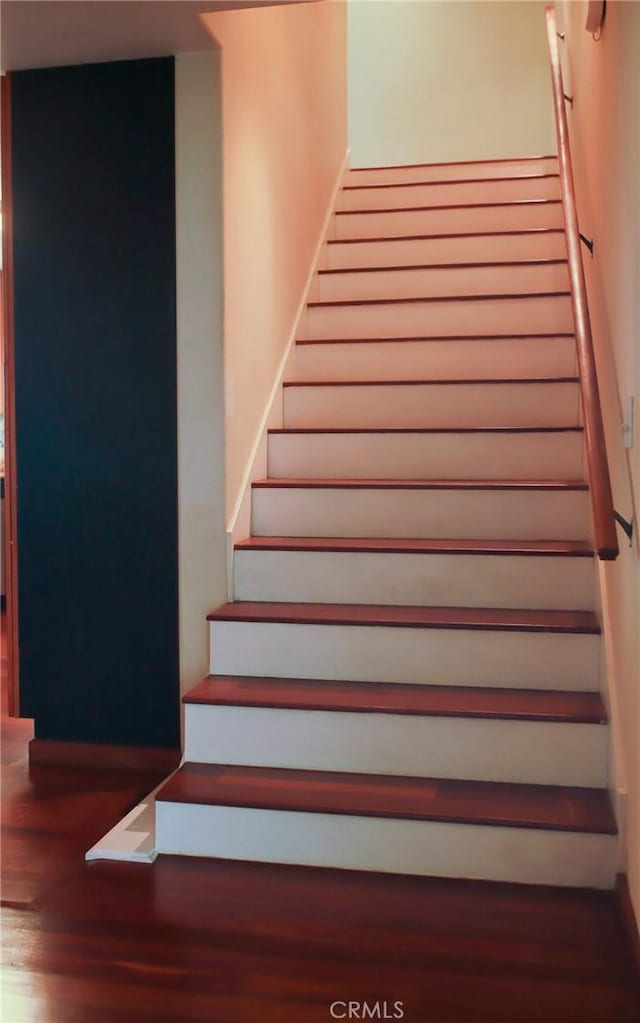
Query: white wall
(284, 130)
(437, 80)
(260, 136)
(604, 127)
(201, 509)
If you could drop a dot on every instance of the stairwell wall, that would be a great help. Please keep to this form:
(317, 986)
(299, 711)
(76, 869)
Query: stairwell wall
(437, 81)
(283, 74)
(604, 125)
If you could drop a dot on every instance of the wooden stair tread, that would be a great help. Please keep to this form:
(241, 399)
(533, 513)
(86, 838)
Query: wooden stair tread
(431, 382)
(556, 808)
(434, 337)
(330, 483)
(451, 181)
(534, 548)
(408, 616)
(541, 261)
(453, 206)
(380, 697)
(290, 430)
(449, 234)
(432, 299)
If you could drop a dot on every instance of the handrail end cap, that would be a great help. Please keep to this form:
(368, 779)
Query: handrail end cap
(608, 553)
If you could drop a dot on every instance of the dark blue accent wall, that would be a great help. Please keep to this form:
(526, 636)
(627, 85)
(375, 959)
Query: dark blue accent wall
(95, 347)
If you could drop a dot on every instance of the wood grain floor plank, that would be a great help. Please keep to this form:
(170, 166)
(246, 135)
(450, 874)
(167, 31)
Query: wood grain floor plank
(202, 941)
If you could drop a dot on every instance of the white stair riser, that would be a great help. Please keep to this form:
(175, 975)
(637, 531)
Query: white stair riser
(447, 193)
(432, 405)
(399, 223)
(438, 360)
(452, 171)
(544, 314)
(481, 280)
(370, 653)
(447, 580)
(426, 456)
(481, 749)
(458, 249)
(524, 855)
(492, 515)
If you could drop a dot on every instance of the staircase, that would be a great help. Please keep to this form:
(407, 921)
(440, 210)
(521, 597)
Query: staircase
(408, 679)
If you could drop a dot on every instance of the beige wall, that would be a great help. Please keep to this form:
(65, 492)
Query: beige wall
(436, 80)
(284, 132)
(604, 126)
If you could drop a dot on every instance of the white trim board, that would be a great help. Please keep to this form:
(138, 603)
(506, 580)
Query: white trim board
(132, 839)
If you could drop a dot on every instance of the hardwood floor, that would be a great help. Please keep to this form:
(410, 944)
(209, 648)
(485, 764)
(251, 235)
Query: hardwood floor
(195, 940)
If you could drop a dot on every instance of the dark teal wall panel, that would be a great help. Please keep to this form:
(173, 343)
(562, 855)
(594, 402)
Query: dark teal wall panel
(95, 339)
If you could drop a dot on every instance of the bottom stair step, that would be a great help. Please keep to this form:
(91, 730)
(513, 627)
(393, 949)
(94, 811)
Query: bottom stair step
(527, 833)
(557, 808)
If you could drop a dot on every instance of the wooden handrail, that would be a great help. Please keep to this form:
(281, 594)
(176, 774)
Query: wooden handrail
(606, 541)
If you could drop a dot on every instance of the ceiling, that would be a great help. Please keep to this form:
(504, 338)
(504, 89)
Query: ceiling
(49, 33)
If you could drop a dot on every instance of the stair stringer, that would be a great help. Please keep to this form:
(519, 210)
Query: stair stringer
(617, 784)
(616, 772)
(239, 523)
